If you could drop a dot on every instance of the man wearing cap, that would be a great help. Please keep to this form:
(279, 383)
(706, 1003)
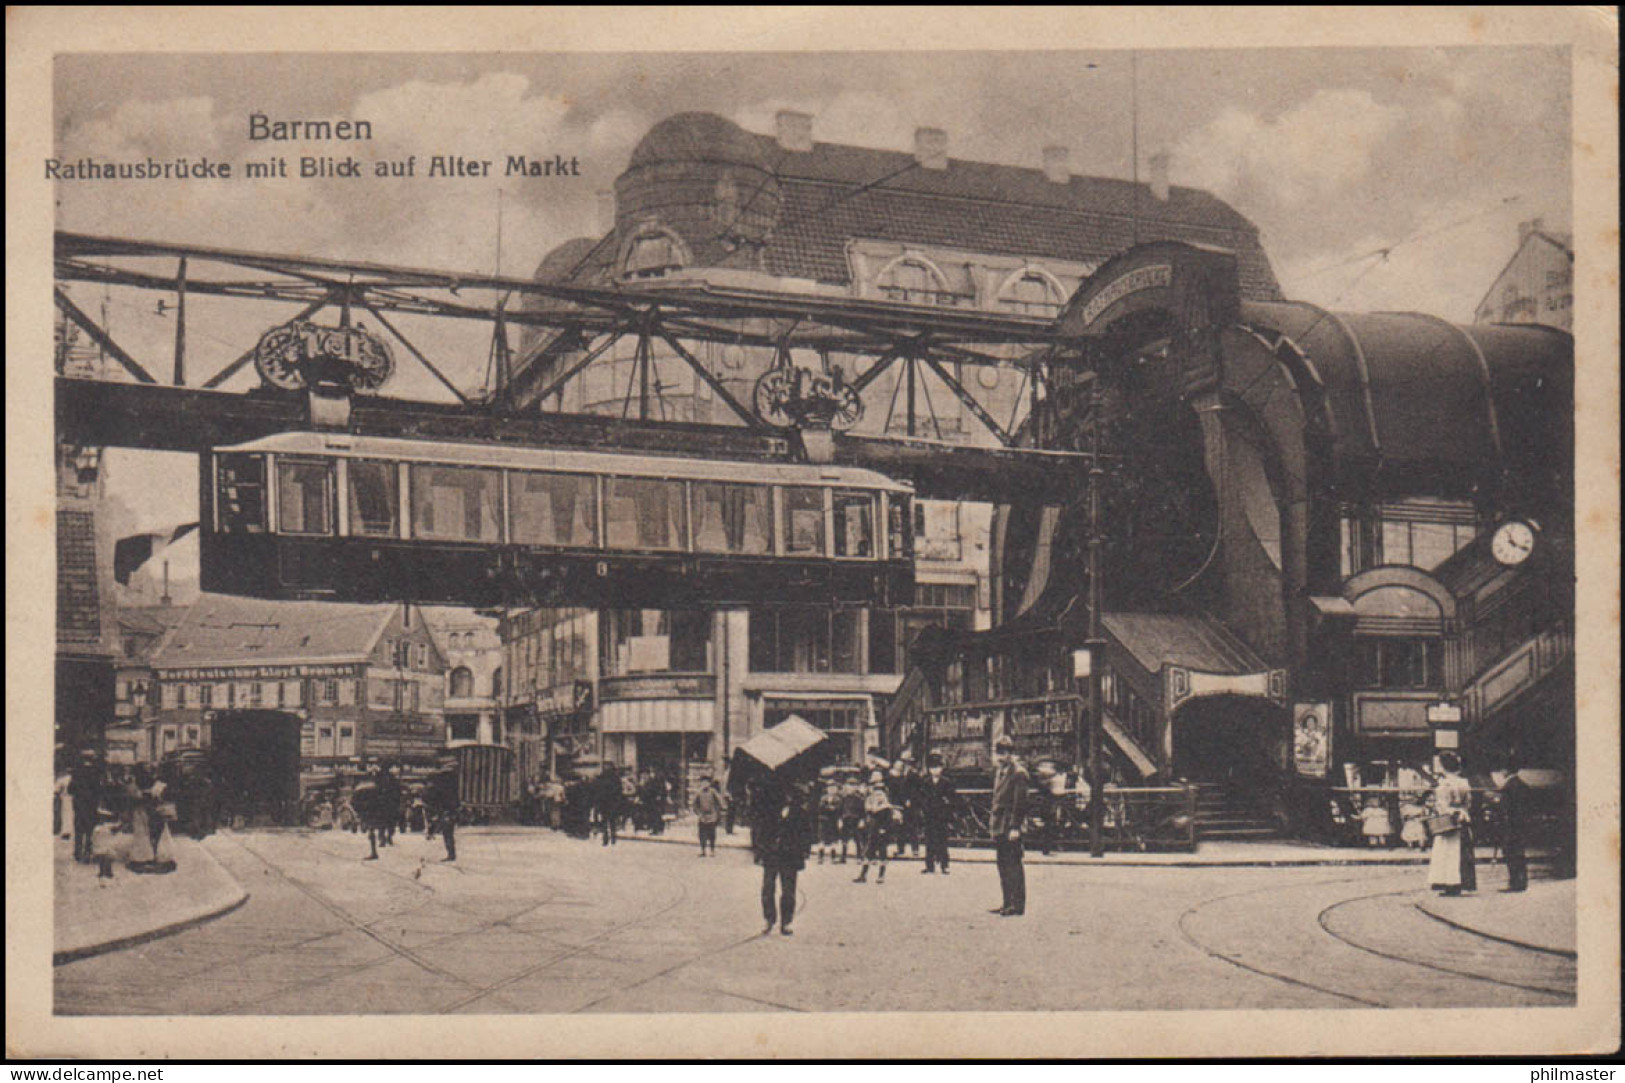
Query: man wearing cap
(1009, 812)
(935, 798)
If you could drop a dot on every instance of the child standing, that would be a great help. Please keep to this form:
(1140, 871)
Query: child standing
(1375, 823)
(878, 816)
(829, 815)
(1412, 811)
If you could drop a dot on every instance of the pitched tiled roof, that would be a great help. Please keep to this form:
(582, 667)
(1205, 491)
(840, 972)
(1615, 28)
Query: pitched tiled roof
(222, 630)
(818, 200)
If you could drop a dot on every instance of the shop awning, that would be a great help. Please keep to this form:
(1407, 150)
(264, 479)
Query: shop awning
(658, 716)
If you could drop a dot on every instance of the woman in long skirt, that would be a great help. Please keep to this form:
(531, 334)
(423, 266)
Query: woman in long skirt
(1450, 865)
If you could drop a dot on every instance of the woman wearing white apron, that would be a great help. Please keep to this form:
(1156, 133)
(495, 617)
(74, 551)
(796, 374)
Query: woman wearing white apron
(1450, 867)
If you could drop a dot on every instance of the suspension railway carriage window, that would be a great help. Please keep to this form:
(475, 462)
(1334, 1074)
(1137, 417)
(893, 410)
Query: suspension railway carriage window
(375, 500)
(456, 504)
(361, 518)
(854, 524)
(733, 518)
(554, 509)
(305, 497)
(804, 522)
(644, 514)
(241, 486)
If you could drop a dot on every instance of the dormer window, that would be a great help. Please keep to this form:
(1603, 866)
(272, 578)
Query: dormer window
(654, 252)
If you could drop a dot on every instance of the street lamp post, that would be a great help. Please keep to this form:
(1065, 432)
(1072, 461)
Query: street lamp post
(1097, 808)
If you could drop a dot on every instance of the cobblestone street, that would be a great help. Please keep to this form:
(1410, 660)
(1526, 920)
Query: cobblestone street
(533, 922)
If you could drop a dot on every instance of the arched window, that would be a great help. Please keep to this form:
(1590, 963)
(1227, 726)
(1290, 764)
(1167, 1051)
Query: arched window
(915, 280)
(462, 683)
(496, 683)
(1033, 291)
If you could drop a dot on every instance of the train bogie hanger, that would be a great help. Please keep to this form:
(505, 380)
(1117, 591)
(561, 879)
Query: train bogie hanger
(365, 519)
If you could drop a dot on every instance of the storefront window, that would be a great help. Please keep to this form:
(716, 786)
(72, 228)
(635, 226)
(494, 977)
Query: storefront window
(374, 499)
(733, 518)
(305, 498)
(456, 504)
(854, 524)
(644, 514)
(554, 509)
(804, 522)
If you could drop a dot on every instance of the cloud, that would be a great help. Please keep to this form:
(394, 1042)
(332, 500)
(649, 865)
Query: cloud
(1314, 151)
(135, 129)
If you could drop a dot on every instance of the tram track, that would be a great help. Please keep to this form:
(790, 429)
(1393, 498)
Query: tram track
(1326, 923)
(1323, 919)
(477, 991)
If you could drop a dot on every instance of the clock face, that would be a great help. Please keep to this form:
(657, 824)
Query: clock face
(1513, 542)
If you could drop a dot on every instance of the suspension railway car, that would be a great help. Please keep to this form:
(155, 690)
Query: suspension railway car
(370, 519)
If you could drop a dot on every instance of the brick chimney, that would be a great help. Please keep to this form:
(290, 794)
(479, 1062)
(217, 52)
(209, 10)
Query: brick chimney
(1159, 175)
(1534, 225)
(793, 130)
(606, 210)
(1056, 168)
(931, 148)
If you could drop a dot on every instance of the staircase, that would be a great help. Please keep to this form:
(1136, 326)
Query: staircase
(1224, 814)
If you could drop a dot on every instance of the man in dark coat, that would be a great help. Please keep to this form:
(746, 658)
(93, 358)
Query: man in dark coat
(85, 787)
(445, 805)
(935, 796)
(367, 805)
(389, 804)
(1009, 814)
(1514, 826)
(780, 838)
(611, 805)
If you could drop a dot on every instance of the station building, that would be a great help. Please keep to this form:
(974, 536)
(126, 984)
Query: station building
(1334, 545)
(704, 202)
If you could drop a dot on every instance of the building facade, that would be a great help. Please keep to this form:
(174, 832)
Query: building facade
(705, 203)
(289, 696)
(1537, 284)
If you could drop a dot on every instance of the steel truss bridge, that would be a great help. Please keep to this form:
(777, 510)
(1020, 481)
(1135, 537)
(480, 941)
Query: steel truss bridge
(575, 326)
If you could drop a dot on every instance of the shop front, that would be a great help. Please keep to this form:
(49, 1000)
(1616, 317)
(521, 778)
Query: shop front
(660, 722)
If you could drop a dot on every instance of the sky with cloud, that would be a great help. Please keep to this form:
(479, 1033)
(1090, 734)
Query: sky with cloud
(1379, 178)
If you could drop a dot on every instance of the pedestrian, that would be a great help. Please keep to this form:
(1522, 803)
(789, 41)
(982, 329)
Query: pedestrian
(1514, 808)
(1046, 806)
(85, 787)
(779, 838)
(1008, 814)
(389, 804)
(829, 814)
(1450, 865)
(1375, 823)
(852, 795)
(708, 811)
(62, 802)
(611, 806)
(936, 801)
(900, 782)
(367, 803)
(444, 805)
(879, 825)
(1413, 813)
